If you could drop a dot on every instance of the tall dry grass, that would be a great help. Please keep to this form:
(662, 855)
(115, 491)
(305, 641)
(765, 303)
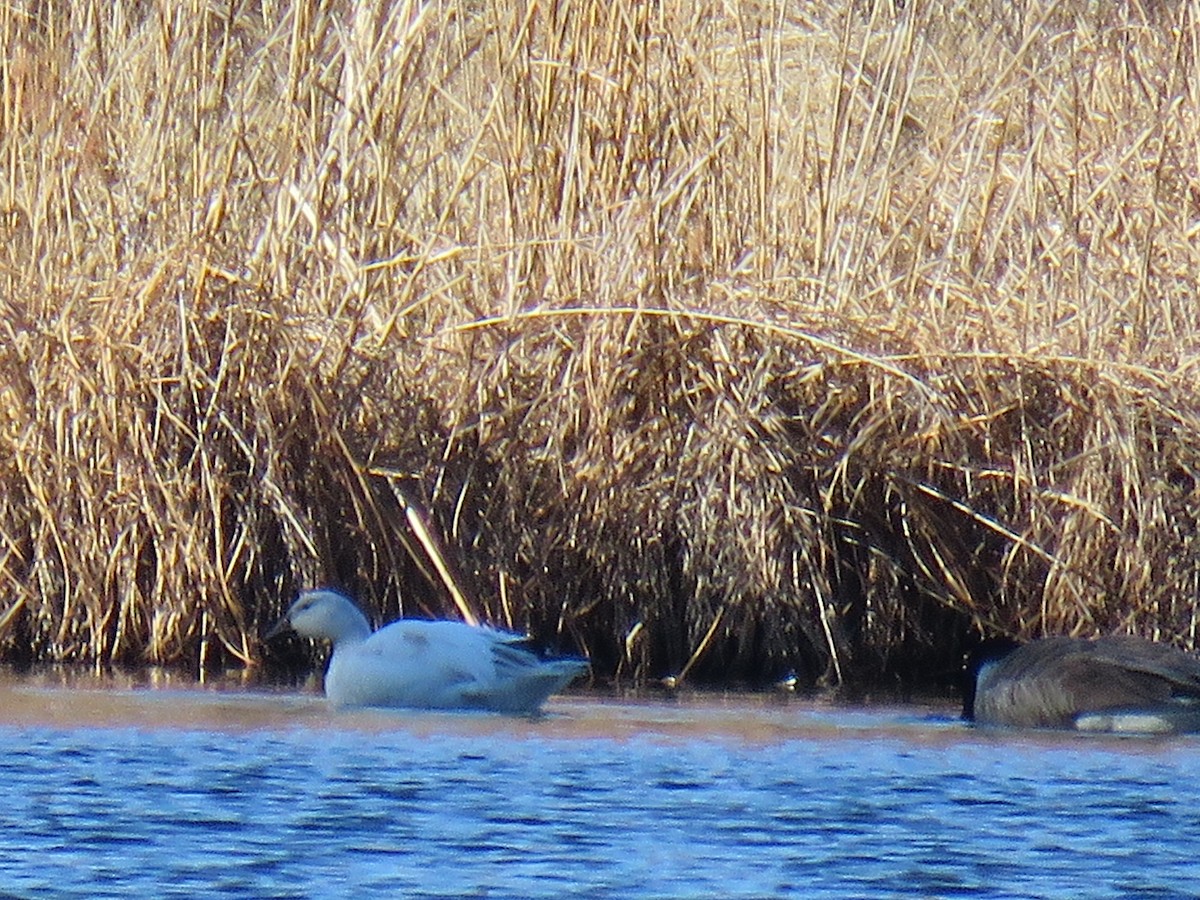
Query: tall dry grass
(716, 338)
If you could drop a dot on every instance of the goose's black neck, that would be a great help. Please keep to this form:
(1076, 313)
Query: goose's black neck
(987, 653)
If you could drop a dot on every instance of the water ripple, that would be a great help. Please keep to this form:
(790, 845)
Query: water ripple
(449, 807)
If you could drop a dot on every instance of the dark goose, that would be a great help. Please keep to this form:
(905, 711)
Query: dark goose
(1109, 684)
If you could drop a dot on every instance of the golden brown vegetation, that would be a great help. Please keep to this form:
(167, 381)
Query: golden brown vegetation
(744, 336)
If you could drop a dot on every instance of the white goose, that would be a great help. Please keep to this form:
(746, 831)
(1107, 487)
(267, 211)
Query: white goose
(425, 664)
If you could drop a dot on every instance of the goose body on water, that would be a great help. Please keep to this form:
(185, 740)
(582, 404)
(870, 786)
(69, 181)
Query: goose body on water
(1108, 684)
(425, 664)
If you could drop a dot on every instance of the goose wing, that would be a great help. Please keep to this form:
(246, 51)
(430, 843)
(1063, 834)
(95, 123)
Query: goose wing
(437, 651)
(1157, 671)
(512, 655)
(413, 663)
(445, 665)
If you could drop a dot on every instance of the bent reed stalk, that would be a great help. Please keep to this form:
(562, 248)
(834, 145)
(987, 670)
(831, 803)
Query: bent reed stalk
(718, 341)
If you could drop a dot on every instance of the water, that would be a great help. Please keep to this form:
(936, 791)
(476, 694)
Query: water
(188, 793)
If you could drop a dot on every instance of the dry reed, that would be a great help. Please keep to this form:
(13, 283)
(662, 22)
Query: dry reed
(716, 339)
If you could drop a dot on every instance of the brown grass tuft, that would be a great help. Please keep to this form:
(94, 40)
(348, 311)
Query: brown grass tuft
(726, 339)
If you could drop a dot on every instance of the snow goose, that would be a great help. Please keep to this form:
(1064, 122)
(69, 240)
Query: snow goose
(425, 664)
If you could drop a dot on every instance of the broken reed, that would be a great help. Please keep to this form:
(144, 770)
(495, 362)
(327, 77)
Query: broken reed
(716, 341)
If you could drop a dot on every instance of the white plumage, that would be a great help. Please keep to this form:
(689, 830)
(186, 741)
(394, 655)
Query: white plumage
(425, 664)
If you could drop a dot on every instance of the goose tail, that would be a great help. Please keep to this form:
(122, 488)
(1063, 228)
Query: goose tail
(527, 687)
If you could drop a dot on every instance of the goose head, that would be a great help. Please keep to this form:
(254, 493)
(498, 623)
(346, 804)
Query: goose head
(324, 614)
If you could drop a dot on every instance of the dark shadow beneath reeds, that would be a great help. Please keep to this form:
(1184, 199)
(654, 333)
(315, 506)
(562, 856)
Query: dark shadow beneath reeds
(718, 346)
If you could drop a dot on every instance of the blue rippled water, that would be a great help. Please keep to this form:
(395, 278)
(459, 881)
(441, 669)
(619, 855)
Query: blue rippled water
(187, 795)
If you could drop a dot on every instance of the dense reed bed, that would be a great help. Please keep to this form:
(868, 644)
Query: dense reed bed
(716, 339)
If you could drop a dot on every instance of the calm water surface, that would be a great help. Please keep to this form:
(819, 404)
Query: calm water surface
(122, 792)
